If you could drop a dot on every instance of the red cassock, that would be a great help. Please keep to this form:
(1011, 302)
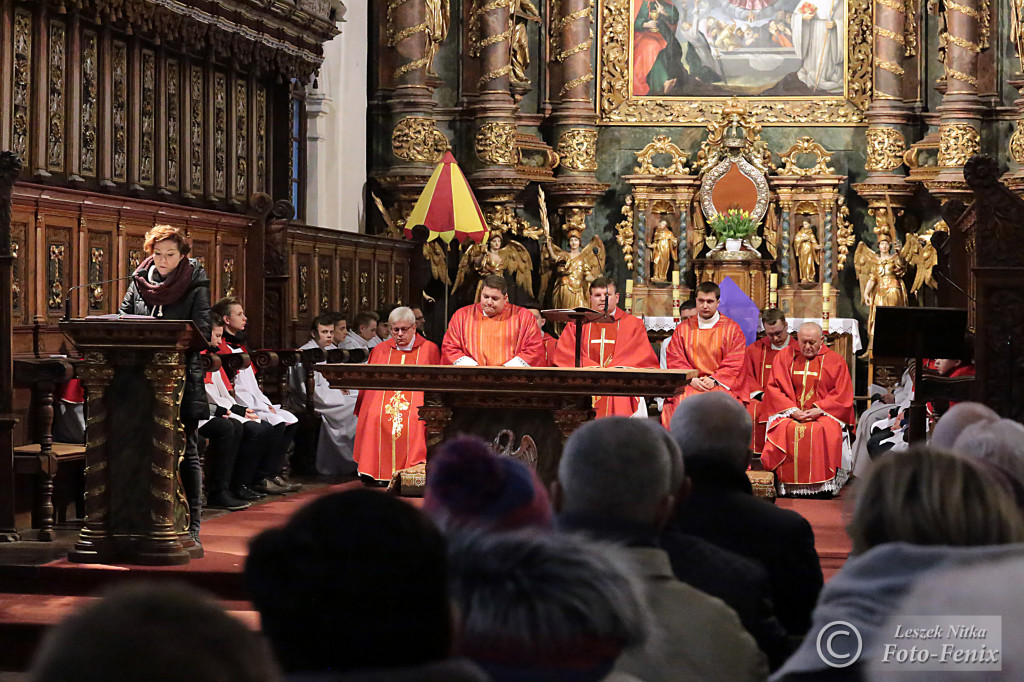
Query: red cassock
(493, 340)
(811, 452)
(549, 349)
(389, 434)
(716, 352)
(757, 368)
(622, 343)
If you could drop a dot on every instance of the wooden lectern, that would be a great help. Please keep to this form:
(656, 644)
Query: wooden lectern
(133, 372)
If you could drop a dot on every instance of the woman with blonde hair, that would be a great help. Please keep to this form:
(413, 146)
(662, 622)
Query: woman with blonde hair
(918, 511)
(171, 286)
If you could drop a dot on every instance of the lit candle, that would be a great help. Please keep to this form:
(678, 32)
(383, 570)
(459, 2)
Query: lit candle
(826, 302)
(629, 288)
(773, 280)
(675, 278)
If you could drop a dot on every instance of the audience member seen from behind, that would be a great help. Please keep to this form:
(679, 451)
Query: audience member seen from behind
(959, 417)
(158, 632)
(615, 480)
(714, 433)
(999, 444)
(917, 511)
(469, 485)
(543, 606)
(356, 585)
(169, 285)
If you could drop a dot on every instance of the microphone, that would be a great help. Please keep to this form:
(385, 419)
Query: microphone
(67, 296)
(953, 284)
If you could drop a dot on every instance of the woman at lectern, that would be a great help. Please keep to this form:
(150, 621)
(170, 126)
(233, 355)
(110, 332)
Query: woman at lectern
(171, 286)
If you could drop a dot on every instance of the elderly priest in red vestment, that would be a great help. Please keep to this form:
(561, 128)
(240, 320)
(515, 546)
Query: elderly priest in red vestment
(810, 399)
(389, 434)
(712, 344)
(493, 332)
(757, 367)
(621, 342)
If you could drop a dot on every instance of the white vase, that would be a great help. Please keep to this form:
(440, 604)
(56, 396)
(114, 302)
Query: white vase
(733, 244)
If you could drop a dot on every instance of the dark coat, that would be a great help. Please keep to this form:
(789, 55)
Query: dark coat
(195, 306)
(723, 510)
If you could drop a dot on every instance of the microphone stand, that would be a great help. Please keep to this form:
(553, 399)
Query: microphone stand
(67, 296)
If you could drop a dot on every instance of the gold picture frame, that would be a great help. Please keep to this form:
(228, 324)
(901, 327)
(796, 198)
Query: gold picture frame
(617, 105)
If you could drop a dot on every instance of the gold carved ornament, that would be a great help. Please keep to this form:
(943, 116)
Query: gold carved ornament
(624, 234)
(958, 142)
(615, 104)
(415, 138)
(1017, 144)
(806, 145)
(577, 149)
(661, 145)
(496, 143)
(478, 41)
(734, 115)
(844, 232)
(884, 149)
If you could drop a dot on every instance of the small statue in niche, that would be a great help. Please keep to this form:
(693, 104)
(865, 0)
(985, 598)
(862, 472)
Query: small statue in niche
(808, 252)
(663, 246)
(520, 58)
(438, 21)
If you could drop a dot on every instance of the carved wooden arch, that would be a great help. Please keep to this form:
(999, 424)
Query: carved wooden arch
(806, 145)
(661, 145)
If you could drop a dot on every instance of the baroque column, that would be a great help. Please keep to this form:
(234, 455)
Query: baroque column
(1014, 179)
(960, 112)
(576, 189)
(894, 39)
(495, 178)
(10, 168)
(415, 31)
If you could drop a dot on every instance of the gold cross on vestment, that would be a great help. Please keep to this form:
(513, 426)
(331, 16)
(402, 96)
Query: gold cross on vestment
(395, 409)
(602, 341)
(803, 390)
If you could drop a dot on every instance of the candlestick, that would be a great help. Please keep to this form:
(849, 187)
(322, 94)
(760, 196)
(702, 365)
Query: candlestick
(629, 304)
(773, 299)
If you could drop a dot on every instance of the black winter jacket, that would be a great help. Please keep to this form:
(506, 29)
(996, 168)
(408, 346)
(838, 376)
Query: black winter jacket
(195, 306)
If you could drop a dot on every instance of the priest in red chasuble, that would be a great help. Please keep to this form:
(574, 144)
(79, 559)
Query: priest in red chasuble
(621, 342)
(493, 332)
(549, 341)
(712, 344)
(389, 434)
(810, 399)
(757, 367)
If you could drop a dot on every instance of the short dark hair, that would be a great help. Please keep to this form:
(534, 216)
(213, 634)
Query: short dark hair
(346, 578)
(321, 320)
(709, 288)
(216, 320)
(364, 318)
(222, 308)
(604, 283)
(689, 304)
(772, 315)
(335, 316)
(495, 282)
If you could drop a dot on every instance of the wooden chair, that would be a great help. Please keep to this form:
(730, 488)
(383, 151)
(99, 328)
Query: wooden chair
(44, 458)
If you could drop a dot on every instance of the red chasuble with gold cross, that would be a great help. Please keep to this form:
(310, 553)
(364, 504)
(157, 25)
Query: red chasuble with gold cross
(716, 351)
(493, 340)
(811, 452)
(621, 343)
(389, 434)
(757, 367)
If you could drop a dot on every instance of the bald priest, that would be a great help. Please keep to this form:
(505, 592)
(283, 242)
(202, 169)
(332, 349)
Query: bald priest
(493, 332)
(810, 399)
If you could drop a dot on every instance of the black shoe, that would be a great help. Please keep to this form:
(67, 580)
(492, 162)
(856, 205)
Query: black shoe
(248, 494)
(268, 487)
(225, 500)
(194, 534)
(288, 486)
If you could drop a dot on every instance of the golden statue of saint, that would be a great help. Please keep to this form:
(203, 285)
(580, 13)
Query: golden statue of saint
(525, 10)
(438, 21)
(663, 246)
(808, 252)
(574, 270)
(881, 277)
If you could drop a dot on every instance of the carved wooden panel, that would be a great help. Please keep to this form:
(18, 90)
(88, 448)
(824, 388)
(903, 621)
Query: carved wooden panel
(241, 105)
(384, 285)
(102, 263)
(134, 253)
(147, 119)
(88, 110)
(400, 293)
(324, 283)
(22, 83)
(57, 66)
(202, 251)
(364, 292)
(304, 285)
(60, 261)
(231, 274)
(346, 284)
(21, 289)
(220, 134)
(260, 181)
(119, 109)
(173, 123)
(196, 99)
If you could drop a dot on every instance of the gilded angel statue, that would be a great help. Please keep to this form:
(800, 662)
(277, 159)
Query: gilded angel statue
(881, 276)
(574, 269)
(511, 258)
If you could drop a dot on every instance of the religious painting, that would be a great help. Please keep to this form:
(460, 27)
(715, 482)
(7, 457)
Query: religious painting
(789, 61)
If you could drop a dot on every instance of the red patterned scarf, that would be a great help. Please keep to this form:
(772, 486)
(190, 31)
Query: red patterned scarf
(165, 292)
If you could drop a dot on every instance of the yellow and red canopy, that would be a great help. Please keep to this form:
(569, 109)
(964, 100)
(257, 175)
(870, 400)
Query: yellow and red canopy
(447, 207)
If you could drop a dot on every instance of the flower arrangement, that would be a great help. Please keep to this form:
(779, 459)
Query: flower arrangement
(734, 223)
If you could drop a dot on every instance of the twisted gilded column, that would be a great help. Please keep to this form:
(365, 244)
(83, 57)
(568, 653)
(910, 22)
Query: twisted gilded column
(576, 188)
(961, 108)
(495, 178)
(95, 373)
(415, 31)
